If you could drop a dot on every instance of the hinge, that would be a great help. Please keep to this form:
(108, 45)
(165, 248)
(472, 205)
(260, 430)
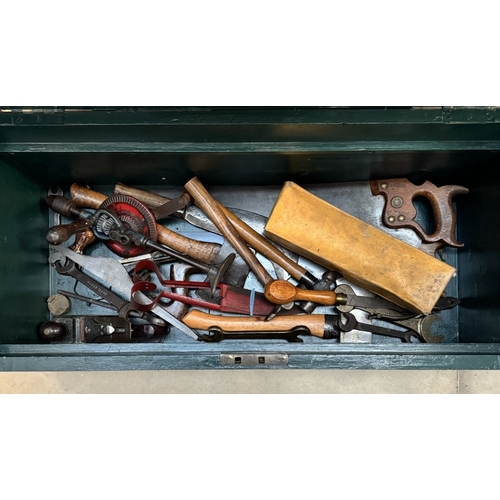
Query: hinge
(44, 111)
(32, 111)
(254, 359)
(36, 115)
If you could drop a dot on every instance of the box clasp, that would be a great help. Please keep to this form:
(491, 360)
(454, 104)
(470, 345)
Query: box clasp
(254, 359)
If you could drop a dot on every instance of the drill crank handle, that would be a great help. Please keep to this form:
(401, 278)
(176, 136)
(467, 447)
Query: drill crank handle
(204, 252)
(246, 233)
(59, 234)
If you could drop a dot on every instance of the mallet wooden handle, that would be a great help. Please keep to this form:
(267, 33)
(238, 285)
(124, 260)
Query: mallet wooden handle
(254, 239)
(260, 244)
(315, 323)
(204, 252)
(283, 292)
(204, 200)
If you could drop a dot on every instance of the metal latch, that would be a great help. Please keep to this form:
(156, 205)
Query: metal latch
(254, 359)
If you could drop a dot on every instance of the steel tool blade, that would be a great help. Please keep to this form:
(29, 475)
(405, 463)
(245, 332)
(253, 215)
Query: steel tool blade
(196, 217)
(114, 274)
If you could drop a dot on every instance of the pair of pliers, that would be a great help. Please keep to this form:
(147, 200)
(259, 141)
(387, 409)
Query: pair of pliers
(228, 298)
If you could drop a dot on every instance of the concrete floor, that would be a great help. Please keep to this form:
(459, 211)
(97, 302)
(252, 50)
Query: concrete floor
(253, 381)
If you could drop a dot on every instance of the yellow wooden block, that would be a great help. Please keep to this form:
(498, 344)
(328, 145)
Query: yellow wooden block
(365, 255)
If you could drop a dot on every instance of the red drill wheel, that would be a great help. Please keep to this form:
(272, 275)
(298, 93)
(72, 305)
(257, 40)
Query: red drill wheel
(135, 216)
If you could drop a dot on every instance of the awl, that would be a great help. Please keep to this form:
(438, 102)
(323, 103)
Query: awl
(283, 292)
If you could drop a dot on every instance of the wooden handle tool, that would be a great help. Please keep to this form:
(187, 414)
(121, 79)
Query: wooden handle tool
(319, 325)
(83, 240)
(246, 233)
(204, 200)
(59, 234)
(283, 292)
(151, 200)
(204, 252)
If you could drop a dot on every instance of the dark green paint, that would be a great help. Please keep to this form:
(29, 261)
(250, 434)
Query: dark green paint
(178, 116)
(255, 146)
(23, 268)
(188, 356)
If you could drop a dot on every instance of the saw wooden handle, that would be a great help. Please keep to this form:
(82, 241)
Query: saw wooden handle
(283, 292)
(254, 239)
(315, 323)
(204, 200)
(204, 252)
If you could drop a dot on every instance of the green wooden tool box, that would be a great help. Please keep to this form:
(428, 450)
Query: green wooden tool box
(250, 151)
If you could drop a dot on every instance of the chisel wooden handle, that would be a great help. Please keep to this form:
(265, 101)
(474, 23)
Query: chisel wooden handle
(204, 252)
(254, 239)
(204, 200)
(283, 292)
(319, 325)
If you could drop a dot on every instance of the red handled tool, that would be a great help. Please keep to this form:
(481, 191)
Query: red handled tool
(228, 298)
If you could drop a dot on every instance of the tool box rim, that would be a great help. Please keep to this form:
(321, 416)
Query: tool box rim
(32, 357)
(15, 357)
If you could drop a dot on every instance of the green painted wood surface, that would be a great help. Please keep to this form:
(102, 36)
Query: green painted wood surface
(226, 146)
(23, 270)
(187, 356)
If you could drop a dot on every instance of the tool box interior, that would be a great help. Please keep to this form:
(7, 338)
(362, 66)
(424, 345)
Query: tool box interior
(243, 156)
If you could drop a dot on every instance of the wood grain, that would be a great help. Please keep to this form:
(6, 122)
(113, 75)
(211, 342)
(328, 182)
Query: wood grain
(282, 292)
(315, 323)
(204, 252)
(246, 233)
(204, 200)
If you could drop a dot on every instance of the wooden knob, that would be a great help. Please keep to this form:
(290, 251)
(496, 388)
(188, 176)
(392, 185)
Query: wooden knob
(59, 234)
(51, 331)
(283, 292)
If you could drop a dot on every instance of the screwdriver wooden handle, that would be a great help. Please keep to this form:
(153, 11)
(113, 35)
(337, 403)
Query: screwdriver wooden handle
(204, 200)
(204, 252)
(315, 323)
(283, 292)
(254, 239)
